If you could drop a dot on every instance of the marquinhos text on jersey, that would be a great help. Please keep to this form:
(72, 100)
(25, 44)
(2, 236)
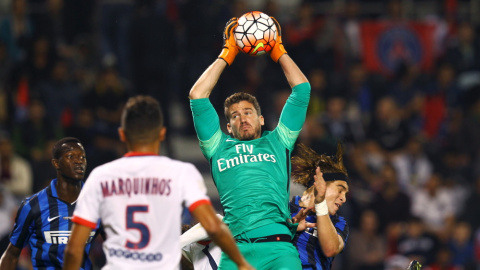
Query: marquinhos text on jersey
(136, 186)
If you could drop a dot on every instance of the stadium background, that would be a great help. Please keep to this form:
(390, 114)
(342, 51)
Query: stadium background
(396, 81)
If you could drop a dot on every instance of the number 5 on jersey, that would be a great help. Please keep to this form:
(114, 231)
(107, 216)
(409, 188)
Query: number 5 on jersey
(141, 227)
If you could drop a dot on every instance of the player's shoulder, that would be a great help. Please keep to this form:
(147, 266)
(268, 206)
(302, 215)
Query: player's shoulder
(338, 218)
(35, 197)
(340, 222)
(178, 163)
(30, 203)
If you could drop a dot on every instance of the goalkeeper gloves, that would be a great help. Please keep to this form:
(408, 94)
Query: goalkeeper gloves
(230, 49)
(278, 50)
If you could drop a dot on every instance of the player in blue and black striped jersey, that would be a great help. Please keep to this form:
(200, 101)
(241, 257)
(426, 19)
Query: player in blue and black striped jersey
(43, 219)
(321, 233)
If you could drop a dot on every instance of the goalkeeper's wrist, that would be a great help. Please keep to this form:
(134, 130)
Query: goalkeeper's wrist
(228, 56)
(321, 209)
(277, 52)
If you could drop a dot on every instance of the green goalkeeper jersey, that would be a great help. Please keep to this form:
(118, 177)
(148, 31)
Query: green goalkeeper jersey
(252, 177)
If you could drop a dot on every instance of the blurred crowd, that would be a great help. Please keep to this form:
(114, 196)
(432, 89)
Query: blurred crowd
(411, 134)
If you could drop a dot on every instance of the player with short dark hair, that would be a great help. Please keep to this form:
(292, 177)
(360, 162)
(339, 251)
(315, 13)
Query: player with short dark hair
(43, 220)
(251, 170)
(322, 233)
(140, 197)
(237, 98)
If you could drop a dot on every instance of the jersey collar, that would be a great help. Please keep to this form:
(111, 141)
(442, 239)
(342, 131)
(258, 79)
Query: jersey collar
(53, 188)
(139, 154)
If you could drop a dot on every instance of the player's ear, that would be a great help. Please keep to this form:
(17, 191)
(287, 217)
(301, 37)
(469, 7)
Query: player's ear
(162, 133)
(229, 128)
(55, 164)
(121, 134)
(262, 120)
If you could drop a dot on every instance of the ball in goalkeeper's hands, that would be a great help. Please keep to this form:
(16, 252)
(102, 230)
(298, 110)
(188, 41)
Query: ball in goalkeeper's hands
(256, 33)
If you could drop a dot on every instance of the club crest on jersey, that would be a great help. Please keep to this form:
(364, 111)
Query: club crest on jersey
(61, 237)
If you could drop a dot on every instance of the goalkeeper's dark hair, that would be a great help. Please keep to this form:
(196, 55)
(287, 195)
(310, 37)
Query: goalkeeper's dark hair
(236, 98)
(306, 161)
(57, 149)
(142, 119)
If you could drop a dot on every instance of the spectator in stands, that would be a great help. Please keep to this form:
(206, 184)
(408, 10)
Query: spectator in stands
(412, 165)
(338, 123)
(8, 207)
(417, 243)
(367, 247)
(465, 50)
(388, 127)
(390, 203)
(434, 205)
(30, 136)
(60, 94)
(461, 245)
(471, 211)
(15, 171)
(16, 31)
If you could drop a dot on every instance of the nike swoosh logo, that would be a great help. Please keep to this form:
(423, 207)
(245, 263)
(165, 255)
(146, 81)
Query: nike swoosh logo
(259, 45)
(230, 140)
(53, 218)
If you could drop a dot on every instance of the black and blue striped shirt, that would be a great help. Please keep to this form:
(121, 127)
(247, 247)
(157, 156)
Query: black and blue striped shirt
(307, 244)
(43, 222)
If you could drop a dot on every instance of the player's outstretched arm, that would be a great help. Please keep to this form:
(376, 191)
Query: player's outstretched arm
(220, 234)
(9, 258)
(292, 72)
(204, 85)
(279, 55)
(73, 256)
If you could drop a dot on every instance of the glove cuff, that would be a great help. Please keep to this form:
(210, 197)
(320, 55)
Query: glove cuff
(228, 55)
(277, 51)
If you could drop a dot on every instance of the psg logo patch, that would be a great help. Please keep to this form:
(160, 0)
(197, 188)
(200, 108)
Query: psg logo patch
(397, 45)
(387, 44)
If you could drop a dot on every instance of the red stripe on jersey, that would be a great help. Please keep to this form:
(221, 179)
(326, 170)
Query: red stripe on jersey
(84, 222)
(198, 203)
(137, 154)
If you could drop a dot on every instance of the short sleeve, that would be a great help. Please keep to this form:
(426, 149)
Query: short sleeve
(23, 227)
(194, 191)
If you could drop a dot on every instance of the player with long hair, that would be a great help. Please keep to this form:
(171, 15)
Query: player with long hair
(322, 233)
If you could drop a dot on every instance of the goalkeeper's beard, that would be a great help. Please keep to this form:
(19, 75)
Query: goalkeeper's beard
(247, 135)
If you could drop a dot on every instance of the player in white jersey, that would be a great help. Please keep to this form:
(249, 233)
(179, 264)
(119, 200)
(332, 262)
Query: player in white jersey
(200, 252)
(139, 200)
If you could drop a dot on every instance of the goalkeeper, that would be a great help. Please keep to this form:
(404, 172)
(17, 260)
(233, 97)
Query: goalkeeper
(251, 169)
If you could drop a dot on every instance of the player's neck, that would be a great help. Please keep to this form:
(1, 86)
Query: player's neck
(68, 190)
(152, 148)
